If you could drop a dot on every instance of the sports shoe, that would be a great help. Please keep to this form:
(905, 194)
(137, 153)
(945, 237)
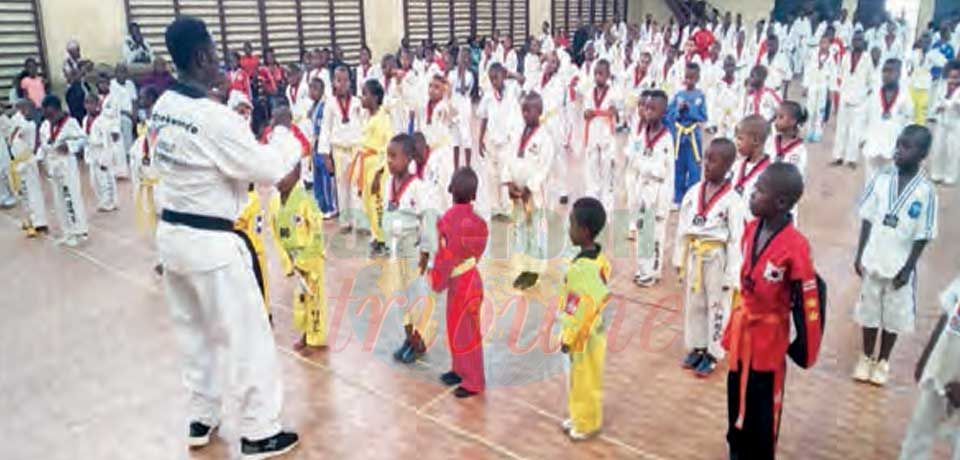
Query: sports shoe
(706, 366)
(450, 379)
(644, 281)
(398, 355)
(837, 162)
(462, 392)
(274, 446)
(692, 361)
(567, 424)
(864, 369)
(199, 434)
(578, 436)
(881, 373)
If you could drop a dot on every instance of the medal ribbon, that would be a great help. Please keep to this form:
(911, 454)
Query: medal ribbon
(887, 105)
(745, 176)
(525, 139)
(703, 206)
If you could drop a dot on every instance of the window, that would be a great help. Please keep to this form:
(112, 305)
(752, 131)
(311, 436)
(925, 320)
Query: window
(291, 27)
(441, 20)
(572, 14)
(21, 37)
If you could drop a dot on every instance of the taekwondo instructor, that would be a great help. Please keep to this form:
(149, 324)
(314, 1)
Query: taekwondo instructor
(206, 160)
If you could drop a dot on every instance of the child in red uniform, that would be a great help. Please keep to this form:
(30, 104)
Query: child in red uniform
(462, 240)
(777, 280)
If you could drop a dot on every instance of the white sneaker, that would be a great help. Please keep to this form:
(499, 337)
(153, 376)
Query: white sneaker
(578, 436)
(864, 369)
(71, 242)
(567, 425)
(881, 373)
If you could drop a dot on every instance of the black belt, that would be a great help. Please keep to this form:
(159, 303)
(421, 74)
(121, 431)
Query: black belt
(197, 221)
(217, 224)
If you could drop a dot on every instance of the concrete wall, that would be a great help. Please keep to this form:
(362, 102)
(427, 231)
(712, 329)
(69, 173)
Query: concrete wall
(100, 31)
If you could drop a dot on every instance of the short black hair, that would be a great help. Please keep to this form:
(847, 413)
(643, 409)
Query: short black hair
(725, 145)
(952, 65)
(799, 112)
(496, 67)
(657, 94)
(787, 182)
(894, 61)
(604, 63)
(921, 134)
(376, 89)
(184, 36)
(463, 185)
(51, 101)
(407, 146)
(693, 66)
(588, 213)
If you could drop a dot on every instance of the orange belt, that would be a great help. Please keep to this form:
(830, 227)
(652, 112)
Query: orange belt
(359, 158)
(741, 355)
(586, 134)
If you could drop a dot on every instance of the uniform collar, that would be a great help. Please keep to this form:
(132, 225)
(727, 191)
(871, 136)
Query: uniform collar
(589, 254)
(188, 91)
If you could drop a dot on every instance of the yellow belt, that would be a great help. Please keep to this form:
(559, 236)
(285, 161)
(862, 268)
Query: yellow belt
(687, 131)
(700, 248)
(146, 207)
(464, 267)
(14, 175)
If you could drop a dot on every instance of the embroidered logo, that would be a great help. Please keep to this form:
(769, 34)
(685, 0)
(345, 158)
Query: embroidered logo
(914, 211)
(773, 273)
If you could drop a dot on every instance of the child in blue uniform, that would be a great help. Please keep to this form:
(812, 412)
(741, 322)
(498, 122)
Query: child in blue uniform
(687, 112)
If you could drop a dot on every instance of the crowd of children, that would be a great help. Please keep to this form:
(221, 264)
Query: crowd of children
(390, 151)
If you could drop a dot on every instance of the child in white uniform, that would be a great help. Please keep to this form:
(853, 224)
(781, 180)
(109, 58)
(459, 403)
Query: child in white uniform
(649, 179)
(752, 134)
(899, 217)
(938, 370)
(462, 82)
(819, 78)
(20, 135)
(113, 106)
(759, 99)
(61, 138)
(855, 85)
(707, 256)
(945, 118)
(525, 174)
(343, 119)
(409, 222)
(786, 145)
(498, 125)
(103, 139)
(889, 110)
(436, 119)
(551, 90)
(728, 96)
(600, 113)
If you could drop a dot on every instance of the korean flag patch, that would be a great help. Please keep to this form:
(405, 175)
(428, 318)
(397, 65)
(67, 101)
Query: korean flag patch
(914, 211)
(773, 273)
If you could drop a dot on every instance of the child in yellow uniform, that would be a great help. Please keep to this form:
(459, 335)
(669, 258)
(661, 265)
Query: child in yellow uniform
(370, 161)
(297, 225)
(583, 298)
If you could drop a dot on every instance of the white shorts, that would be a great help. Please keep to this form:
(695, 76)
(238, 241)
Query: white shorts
(883, 307)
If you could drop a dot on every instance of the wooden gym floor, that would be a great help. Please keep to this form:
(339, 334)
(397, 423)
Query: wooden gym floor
(91, 367)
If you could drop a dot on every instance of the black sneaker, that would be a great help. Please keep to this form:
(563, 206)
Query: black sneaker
(450, 379)
(462, 392)
(706, 366)
(398, 355)
(692, 361)
(564, 199)
(199, 434)
(274, 446)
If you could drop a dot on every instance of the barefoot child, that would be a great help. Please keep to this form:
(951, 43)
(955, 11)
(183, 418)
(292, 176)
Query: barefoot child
(524, 176)
(103, 139)
(899, 217)
(938, 375)
(298, 228)
(778, 282)
(410, 222)
(462, 237)
(650, 164)
(707, 257)
(582, 302)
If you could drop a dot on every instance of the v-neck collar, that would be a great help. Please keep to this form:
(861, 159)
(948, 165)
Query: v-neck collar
(755, 255)
(589, 254)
